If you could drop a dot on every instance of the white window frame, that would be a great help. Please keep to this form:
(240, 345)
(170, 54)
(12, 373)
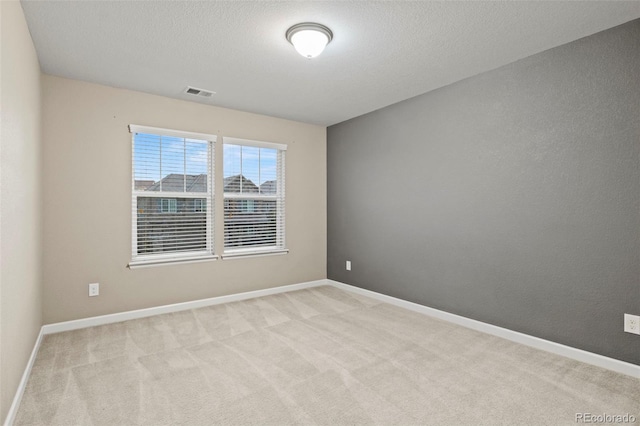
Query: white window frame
(182, 257)
(279, 197)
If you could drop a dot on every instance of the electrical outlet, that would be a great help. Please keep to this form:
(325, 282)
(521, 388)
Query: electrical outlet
(94, 289)
(632, 323)
(348, 265)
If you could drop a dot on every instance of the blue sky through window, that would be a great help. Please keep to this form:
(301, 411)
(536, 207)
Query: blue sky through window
(256, 164)
(156, 157)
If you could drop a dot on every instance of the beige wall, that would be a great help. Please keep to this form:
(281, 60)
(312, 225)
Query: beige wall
(87, 202)
(20, 205)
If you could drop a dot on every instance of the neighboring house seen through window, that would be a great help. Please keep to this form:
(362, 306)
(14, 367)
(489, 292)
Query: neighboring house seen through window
(172, 198)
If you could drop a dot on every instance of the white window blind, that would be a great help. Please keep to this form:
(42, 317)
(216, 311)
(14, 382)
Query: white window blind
(254, 197)
(172, 195)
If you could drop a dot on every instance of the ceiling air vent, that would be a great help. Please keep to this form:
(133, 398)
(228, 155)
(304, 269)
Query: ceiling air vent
(198, 92)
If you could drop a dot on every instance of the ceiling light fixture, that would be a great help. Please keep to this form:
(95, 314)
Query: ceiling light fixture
(309, 38)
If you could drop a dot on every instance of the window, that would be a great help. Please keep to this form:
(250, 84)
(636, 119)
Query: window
(169, 205)
(253, 197)
(172, 202)
(199, 205)
(248, 206)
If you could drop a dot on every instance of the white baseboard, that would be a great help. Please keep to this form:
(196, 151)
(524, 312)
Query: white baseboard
(17, 398)
(616, 365)
(176, 307)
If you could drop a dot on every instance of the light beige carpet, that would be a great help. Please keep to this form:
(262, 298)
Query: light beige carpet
(317, 356)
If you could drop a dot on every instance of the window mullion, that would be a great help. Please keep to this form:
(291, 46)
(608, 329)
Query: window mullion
(259, 171)
(160, 164)
(210, 198)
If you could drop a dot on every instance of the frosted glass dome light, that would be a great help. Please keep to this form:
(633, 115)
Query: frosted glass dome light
(309, 39)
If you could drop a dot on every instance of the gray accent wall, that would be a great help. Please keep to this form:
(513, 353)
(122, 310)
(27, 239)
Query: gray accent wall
(511, 197)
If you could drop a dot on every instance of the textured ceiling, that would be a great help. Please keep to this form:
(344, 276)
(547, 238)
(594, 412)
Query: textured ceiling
(382, 52)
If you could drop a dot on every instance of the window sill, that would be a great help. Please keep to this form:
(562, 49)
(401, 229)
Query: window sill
(159, 261)
(241, 254)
